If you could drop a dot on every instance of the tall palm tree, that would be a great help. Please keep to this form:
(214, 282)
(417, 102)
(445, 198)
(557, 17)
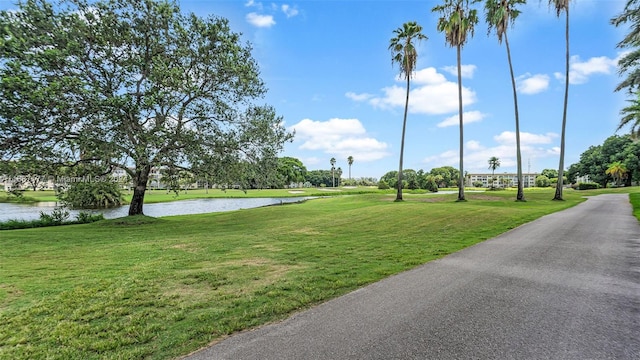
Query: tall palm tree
(617, 170)
(404, 53)
(628, 65)
(350, 162)
(628, 62)
(457, 22)
(500, 14)
(494, 163)
(560, 6)
(339, 172)
(333, 169)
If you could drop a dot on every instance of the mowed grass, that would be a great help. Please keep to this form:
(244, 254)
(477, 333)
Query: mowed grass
(144, 288)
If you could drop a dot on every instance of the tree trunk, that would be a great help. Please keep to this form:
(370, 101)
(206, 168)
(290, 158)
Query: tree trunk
(559, 185)
(461, 178)
(139, 187)
(520, 195)
(404, 128)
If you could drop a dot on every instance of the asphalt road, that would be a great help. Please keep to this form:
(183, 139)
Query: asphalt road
(566, 286)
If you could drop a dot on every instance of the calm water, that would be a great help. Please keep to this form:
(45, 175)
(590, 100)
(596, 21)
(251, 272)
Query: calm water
(182, 207)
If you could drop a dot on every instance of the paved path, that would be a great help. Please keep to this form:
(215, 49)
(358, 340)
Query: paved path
(566, 286)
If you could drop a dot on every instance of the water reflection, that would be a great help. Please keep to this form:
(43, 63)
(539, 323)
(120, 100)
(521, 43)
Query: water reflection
(10, 211)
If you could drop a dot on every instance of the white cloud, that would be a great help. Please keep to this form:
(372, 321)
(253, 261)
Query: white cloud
(340, 137)
(580, 71)
(252, 3)
(532, 84)
(358, 97)
(431, 94)
(289, 11)
(465, 70)
(429, 76)
(509, 137)
(311, 160)
(468, 117)
(258, 20)
(474, 145)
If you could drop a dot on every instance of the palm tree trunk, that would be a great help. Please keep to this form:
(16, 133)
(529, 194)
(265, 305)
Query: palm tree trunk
(558, 195)
(493, 175)
(404, 128)
(520, 195)
(461, 179)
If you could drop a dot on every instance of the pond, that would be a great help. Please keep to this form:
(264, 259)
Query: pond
(10, 211)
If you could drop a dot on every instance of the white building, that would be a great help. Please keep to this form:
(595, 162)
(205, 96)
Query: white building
(501, 180)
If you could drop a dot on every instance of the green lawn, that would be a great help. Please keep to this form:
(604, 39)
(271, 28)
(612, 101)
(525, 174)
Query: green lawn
(144, 288)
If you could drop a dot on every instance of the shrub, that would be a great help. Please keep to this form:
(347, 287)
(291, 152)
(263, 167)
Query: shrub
(413, 184)
(92, 195)
(16, 193)
(86, 217)
(382, 185)
(587, 186)
(542, 181)
(57, 217)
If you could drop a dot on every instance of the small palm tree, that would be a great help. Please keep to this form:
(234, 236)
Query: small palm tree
(494, 163)
(500, 14)
(457, 22)
(618, 171)
(350, 162)
(404, 53)
(560, 6)
(333, 169)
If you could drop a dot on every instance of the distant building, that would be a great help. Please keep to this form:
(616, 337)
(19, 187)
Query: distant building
(501, 180)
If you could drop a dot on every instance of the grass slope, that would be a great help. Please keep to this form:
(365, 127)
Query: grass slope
(145, 288)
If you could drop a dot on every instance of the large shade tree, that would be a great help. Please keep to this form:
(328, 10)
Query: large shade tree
(132, 84)
(560, 6)
(500, 14)
(404, 53)
(290, 170)
(595, 161)
(457, 21)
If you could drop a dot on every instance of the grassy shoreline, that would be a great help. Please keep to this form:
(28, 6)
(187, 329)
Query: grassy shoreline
(158, 288)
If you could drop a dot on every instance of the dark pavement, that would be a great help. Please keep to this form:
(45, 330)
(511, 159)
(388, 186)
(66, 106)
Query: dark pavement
(566, 286)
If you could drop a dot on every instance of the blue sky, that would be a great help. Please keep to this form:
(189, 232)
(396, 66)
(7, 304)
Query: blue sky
(329, 75)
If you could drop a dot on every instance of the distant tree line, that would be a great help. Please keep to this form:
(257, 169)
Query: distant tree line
(446, 176)
(616, 161)
(292, 172)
